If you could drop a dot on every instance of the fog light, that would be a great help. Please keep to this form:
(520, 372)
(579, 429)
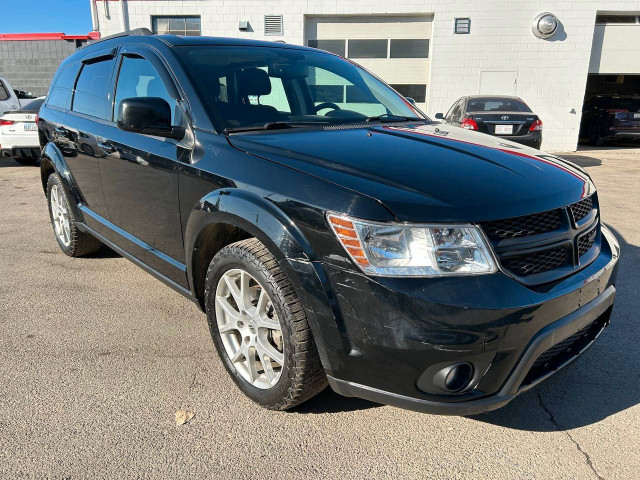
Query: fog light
(458, 377)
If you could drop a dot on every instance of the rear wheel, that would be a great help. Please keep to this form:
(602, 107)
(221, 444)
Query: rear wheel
(71, 240)
(260, 329)
(594, 137)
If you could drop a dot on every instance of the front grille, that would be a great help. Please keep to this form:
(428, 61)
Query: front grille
(585, 242)
(522, 226)
(551, 240)
(563, 351)
(581, 209)
(536, 262)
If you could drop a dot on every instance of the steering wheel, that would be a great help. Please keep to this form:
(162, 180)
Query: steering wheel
(324, 105)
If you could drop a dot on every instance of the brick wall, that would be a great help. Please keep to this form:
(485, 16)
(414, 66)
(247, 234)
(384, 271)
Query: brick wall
(30, 65)
(550, 75)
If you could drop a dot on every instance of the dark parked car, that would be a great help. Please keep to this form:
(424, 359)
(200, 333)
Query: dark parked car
(349, 241)
(508, 118)
(607, 118)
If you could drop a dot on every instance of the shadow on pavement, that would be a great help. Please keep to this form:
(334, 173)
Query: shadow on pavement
(583, 160)
(603, 382)
(330, 402)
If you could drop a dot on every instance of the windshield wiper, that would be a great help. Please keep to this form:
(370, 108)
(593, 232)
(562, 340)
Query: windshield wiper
(388, 118)
(273, 126)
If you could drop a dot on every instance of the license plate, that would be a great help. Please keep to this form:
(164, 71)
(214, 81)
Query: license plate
(504, 129)
(636, 115)
(30, 127)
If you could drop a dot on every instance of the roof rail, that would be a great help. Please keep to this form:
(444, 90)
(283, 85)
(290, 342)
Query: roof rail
(129, 33)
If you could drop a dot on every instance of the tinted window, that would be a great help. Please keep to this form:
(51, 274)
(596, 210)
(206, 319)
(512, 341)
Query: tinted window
(61, 91)
(92, 89)
(368, 48)
(626, 104)
(453, 111)
(139, 78)
(496, 104)
(4, 94)
(309, 78)
(333, 46)
(416, 91)
(33, 106)
(414, 48)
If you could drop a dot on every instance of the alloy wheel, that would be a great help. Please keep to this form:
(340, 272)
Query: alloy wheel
(60, 216)
(249, 328)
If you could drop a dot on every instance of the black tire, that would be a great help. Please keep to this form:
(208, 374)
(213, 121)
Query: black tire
(80, 243)
(302, 374)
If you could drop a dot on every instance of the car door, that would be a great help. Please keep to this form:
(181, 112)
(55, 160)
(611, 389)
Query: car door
(82, 91)
(140, 172)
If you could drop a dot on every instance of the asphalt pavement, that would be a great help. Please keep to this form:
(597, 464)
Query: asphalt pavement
(96, 358)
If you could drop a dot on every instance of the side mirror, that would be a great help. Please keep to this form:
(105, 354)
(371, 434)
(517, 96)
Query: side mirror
(439, 116)
(412, 101)
(149, 116)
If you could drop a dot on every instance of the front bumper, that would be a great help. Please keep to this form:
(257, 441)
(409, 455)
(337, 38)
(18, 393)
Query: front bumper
(396, 329)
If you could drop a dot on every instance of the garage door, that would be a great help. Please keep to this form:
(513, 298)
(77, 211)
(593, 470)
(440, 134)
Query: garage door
(394, 48)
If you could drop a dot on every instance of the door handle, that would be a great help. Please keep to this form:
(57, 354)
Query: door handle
(107, 147)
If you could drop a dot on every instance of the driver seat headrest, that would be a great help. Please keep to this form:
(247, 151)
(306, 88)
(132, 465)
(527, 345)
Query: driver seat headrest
(253, 81)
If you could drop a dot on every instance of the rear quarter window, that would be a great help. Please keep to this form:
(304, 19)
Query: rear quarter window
(61, 91)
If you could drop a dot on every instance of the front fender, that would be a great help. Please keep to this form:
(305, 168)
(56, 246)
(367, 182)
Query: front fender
(265, 221)
(52, 159)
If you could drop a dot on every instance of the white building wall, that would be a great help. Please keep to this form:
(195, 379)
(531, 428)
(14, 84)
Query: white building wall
(550, 75)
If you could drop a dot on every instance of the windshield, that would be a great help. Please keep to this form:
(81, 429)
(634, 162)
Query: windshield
(493, 104)
(246, 86)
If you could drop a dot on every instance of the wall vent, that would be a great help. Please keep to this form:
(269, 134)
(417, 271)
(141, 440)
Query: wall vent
(273, 25)
(462, 26)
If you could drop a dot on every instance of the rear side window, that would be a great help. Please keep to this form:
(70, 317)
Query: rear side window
(60, 95)
(4, 94)
(91, 97)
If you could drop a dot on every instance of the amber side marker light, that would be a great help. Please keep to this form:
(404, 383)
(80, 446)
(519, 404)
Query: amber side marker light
(346, 232)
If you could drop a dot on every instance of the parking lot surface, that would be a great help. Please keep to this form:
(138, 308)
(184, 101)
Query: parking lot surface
(96, 358)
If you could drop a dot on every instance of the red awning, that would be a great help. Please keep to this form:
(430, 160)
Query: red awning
(47, 36)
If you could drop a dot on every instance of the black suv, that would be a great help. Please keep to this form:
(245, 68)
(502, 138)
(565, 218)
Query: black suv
(608, 118)
(329, 230)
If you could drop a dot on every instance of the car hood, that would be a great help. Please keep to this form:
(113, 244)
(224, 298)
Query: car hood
(425, 173)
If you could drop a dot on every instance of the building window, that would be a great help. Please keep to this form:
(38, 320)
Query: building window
(333, 46)
(416, 91)
(368, 48)
(189, 26)
(616, 19)
(410, 48)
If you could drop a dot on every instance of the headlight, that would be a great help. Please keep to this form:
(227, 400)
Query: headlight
(399, 250)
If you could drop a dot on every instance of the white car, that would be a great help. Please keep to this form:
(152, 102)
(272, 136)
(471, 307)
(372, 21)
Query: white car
(19, 133)
(8, 98)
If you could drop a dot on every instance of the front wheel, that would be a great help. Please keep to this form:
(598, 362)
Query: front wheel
(260, 329)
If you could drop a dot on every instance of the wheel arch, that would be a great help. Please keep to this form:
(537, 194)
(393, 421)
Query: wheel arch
(52, 161)
(230, 215)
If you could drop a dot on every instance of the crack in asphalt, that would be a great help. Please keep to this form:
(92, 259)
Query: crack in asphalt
(560, 429)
